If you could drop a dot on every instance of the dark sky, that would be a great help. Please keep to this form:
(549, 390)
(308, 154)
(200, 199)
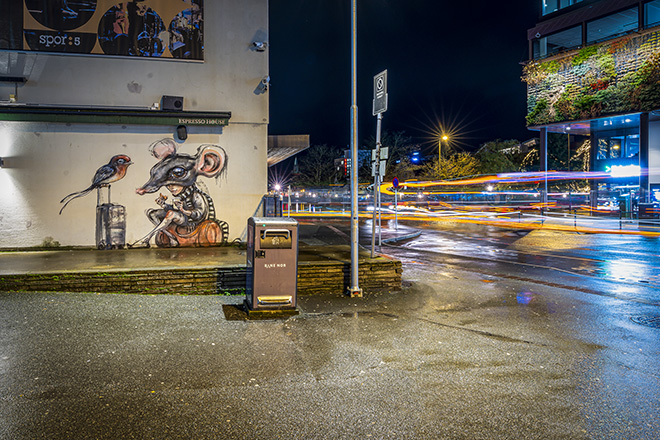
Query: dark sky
(455, 63)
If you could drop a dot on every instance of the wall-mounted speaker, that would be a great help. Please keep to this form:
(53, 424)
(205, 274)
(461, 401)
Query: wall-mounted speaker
(171, 103)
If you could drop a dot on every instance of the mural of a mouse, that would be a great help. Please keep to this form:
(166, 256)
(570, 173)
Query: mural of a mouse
(189, 220)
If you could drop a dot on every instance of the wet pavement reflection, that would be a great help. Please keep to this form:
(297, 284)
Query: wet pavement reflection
(476, 346)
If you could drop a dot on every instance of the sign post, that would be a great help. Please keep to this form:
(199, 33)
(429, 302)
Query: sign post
(395, 186)
(379, 155)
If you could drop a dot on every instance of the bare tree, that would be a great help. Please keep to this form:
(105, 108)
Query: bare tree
(317, 165)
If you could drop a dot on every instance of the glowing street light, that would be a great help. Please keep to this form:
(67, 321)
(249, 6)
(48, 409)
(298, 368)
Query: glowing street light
(444, 138)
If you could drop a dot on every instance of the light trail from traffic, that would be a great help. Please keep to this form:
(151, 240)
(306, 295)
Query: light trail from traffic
(503, 178)
(512, 220)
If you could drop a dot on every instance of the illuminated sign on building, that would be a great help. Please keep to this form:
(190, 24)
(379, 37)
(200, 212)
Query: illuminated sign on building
(624, 170)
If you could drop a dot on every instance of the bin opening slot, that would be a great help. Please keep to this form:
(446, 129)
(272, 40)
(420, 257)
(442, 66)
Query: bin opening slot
(275, 239)
(276, 233)
(275, 300)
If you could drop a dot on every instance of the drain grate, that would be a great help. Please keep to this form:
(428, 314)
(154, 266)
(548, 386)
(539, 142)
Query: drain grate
(649, 320)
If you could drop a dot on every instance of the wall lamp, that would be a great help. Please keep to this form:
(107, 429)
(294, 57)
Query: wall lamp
(259, 46)
(182, 132)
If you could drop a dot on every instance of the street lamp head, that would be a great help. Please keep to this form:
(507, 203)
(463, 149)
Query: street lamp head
(445, 137)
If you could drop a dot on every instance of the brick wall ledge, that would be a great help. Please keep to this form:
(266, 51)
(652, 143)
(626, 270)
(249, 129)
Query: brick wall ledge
(378, 274)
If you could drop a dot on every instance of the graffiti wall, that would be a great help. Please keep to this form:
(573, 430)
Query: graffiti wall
(63, 152)
(187, 219)
(135, 190)
(156, 28)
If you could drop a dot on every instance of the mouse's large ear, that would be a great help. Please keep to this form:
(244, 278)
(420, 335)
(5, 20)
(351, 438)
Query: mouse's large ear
(163, 148)
(211, 160)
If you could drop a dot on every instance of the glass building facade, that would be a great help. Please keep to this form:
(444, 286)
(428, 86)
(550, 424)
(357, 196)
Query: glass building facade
(594, 71)
(550, 6)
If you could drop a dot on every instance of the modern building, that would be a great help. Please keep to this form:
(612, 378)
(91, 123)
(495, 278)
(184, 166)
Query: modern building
(594, 70)
(178, 89)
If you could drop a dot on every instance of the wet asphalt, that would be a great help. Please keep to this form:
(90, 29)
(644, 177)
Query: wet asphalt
(454, 355)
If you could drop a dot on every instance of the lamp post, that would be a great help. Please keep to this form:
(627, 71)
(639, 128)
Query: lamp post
(444, 138)
(354, 289)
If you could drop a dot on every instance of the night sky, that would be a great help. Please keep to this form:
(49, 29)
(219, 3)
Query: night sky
(455, 63)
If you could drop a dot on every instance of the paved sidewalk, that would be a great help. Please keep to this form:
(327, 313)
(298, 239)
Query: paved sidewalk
(317, 242)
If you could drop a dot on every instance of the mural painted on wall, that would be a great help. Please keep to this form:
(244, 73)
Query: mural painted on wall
(109, 173)
(157, 28)
(611, 78)
(188, 219)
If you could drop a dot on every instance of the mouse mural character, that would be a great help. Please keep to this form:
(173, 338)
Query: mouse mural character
(188, 219)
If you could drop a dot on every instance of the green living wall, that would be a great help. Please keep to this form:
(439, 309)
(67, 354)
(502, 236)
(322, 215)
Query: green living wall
(621, 76)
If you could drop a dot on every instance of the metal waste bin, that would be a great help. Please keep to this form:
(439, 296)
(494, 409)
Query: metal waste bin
(272, 263)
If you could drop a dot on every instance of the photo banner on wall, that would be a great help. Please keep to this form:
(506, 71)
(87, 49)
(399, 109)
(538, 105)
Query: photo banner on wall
(154, 28)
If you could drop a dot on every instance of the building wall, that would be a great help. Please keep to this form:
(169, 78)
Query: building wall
(654, 152)
(46, 161)
(617, 77)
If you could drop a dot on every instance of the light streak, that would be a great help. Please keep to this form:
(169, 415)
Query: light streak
(503, 178)
(505, 220)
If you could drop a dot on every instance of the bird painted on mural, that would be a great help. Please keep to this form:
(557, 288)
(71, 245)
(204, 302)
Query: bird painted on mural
(107, 174)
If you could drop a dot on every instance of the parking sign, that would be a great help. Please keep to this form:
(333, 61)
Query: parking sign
(380, 93)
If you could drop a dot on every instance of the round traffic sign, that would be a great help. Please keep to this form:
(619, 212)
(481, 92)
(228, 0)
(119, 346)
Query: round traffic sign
(395, 182)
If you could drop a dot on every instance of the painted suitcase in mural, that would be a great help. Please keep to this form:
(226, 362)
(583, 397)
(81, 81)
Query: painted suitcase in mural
(110, 226)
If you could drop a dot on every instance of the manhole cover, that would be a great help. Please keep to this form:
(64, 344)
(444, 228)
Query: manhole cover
(649, 321)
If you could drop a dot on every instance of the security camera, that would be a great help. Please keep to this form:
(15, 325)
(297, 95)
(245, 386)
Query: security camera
(259, 46)
(263, 85)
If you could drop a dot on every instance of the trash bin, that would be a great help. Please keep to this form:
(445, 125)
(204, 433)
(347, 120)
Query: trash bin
(272, 263)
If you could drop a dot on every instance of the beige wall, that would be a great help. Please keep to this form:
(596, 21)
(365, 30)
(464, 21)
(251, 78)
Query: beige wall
(46, 161)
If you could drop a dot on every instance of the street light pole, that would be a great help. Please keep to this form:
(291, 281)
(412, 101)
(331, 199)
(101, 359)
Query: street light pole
(354, 289)
(443, 138)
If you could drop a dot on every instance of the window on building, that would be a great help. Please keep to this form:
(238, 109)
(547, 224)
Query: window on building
(632, 146)
(550, 6)
(554, 5)
(602, 149)
(652, 14)
(617, 144)
(567, 39)
(613, 25)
